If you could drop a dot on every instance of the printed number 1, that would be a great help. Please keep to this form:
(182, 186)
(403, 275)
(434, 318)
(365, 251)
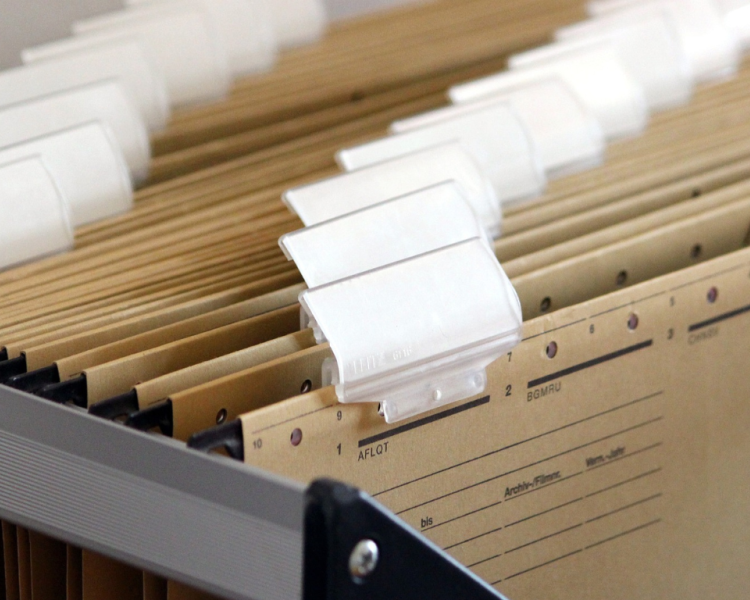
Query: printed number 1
(339, 449)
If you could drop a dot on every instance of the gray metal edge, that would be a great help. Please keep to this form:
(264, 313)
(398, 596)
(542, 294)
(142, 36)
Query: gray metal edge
(207, 521)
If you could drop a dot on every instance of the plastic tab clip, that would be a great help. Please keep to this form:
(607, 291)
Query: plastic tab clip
(494, 135)
(185, 48)
(568, 136)
(342, 194)
(649, 49)
(712, 47)
(125, 61)
(35, 215)
(105, 102)
(419, 334)
(383, 234)
(593, 71)
(298, 22)
(737, 19)
(89, 167)
(245, 27)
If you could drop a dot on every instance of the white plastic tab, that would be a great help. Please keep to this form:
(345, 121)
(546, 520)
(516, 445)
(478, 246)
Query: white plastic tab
(298, 22)
(127, 62)
(737, 19)
(246, 27)
(650, 50)
(419, 334)
(87, 165)
(330, 198)
(714, 49)
(105, 101)
(35, 216)
(494, 135)
(594, 73)
(568, 136)
(186, 51)
(381, 235)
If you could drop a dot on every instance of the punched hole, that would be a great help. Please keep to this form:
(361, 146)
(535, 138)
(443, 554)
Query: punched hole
(306, 386)
(697, 192)
(633, 322)
(622, 278)
(221, 416)
(696, 251)
(546, 304)
(713, 295)
(552, 350)
(296, 437)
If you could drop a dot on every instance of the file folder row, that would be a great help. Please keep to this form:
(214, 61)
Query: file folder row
(501, 298)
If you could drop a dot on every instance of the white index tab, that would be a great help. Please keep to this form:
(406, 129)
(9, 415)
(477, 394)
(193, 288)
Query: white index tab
(244, 25)
(88, 166)
(381, 235)
(186, 50)
(650, 49)
(710, 42)
(342, 194)
(126, 61)
(494, 135)
(298, 22)
(105, 102)
(567, 134)
(592, 70)
(737, 19)
(35, 215)
(419, 334)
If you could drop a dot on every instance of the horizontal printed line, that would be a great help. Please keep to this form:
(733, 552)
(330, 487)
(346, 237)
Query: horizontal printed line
(522, 442)
(549, 562)
(623, 508)
(624, 533)
(590, 363)
(631, 480)
(534, 464)
(720, 318)
(546, 537)
(544, 512)
(635, 453)
(422, 422)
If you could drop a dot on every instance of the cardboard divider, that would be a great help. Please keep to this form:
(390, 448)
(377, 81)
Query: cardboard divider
(49, 567)
(632, 278)
(10, 561)
(107, 579)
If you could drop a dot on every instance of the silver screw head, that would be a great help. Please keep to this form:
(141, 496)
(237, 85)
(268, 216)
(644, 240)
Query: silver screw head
(364, 559)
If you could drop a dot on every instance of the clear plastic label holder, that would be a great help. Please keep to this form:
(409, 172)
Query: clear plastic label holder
(738, 20)
(106, 102)
(126, 61)
(294, 22)
(88, 166)
(593, 71)
(186, 51)
(567, 134)
(244, 26)
(495, 136)
(651, 51)
(299, 22)
(416, 335)
(35, 215)
(383, 234)
(336, 196)
(713, 48)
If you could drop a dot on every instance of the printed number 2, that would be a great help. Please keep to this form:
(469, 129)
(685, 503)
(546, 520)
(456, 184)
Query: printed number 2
(508, 390)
